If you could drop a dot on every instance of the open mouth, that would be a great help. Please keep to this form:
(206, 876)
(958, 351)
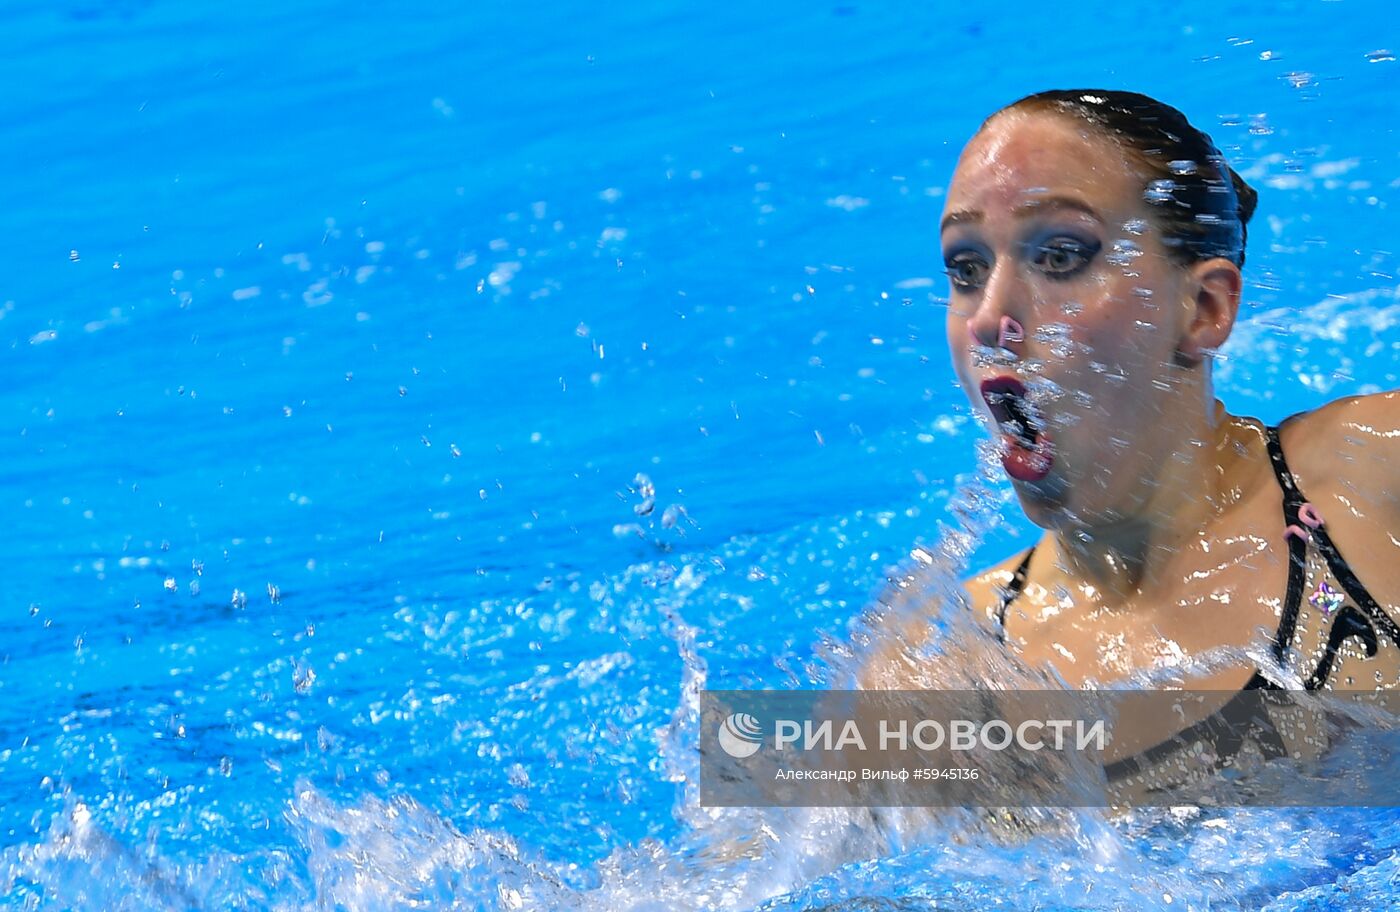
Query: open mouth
(1028, 454)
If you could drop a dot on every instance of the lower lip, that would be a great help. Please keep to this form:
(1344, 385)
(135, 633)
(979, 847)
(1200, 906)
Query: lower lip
(1025, 464)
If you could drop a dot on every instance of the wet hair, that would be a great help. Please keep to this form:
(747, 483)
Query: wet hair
(1201, 204)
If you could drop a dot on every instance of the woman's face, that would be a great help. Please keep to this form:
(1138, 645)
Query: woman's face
(1046, 231)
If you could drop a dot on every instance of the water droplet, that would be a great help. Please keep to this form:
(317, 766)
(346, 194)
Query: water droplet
(72, 256)
(303, 676)
(1381, 56)
(1057, 337)
(1124, 252)
(239, 600)
(1182, 167)
(1159, 191)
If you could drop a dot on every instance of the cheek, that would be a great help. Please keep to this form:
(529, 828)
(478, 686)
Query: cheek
(1123, 330)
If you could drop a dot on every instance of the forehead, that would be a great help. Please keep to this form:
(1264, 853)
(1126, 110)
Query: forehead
(1020, 156)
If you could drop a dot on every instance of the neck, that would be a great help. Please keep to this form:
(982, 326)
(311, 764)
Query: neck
(1118, 558)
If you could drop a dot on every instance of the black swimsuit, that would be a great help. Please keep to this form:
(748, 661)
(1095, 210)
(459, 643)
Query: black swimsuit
(1358, 627)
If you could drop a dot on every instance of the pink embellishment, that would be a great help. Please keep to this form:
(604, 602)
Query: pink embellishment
(1011, 331)
(1309, 515)
(1295, 530)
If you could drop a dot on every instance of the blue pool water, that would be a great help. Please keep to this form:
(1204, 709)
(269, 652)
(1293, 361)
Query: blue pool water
(344, 344)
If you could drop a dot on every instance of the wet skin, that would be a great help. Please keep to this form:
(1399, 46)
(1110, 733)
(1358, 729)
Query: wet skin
(1164, 532)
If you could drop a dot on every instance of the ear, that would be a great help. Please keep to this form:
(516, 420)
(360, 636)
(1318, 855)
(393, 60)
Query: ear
(1214, 302)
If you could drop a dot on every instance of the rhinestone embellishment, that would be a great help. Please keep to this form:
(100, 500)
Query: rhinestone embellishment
(1325, 598)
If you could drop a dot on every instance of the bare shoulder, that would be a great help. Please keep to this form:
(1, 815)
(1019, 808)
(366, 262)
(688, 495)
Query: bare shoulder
(1348, 450)
(894, 655)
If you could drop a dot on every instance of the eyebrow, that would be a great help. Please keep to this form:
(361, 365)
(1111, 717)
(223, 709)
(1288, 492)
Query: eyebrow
(1032, 207)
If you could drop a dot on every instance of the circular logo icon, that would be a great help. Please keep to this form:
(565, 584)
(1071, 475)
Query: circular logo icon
(740, 735)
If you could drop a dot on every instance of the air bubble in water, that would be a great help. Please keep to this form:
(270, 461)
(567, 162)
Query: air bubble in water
(1182, 166)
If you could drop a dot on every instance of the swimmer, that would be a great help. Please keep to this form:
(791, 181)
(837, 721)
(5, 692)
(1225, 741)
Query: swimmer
(1093, 242)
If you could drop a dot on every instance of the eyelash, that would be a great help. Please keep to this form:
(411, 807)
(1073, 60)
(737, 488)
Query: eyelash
(1083, 254)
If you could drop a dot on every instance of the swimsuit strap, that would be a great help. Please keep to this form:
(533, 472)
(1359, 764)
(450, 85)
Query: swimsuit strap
(1297, 546)
(1013, 589)
(1293, 502)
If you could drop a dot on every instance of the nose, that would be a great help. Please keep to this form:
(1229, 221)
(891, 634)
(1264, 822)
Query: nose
(995, 322)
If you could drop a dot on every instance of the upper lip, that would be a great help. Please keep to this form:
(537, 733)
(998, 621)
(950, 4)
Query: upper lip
(995, 391)
(1006, 397)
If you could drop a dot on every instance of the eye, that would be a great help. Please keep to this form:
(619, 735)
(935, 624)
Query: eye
(1062, 257)
(967, 270)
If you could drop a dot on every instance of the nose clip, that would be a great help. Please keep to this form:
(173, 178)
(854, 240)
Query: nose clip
(1011, 331)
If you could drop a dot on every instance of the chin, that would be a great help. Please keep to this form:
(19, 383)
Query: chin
(1046, 503)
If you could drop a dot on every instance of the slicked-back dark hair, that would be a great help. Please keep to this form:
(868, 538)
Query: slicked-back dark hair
(1202, 205)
